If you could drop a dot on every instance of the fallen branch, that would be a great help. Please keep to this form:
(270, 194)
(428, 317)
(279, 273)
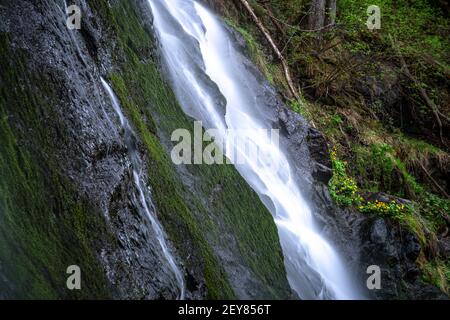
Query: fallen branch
(278, 53)
(428, 58)
(437, 185)
(434, 109)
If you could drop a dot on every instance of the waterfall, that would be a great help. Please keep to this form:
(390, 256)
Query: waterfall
(201, 59)
(143, 196)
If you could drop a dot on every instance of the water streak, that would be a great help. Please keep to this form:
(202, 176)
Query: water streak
(144, 197)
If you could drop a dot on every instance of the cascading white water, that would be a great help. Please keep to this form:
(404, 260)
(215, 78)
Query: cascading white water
(196, 49)
(143, 194)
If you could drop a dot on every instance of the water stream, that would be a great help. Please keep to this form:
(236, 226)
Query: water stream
(143, 195)
(203, 60)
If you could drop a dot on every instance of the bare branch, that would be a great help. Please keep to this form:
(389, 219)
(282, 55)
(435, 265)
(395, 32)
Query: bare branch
(278, 53)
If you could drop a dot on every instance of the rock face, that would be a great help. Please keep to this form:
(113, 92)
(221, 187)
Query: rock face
(66, 170)
(395, 251)
(67, 195)
(363, 240)
(320, 155)
(88, 142)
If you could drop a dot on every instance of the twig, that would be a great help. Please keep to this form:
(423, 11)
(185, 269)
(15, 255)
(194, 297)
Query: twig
(434, 181)
(284, 64)
(434, 109)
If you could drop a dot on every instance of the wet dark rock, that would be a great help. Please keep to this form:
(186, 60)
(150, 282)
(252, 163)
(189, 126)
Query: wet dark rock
(412, 247)
(318, 147)
(89, 140)
(444, 247)
(381, 89)
(383, 197)
(379, 232)
(395, 250)
(362, 240)
(92, 154)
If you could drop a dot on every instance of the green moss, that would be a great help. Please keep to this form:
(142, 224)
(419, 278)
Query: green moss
(423, 216)
(343, 189)
(438, 273)
(300, 107)
(374, 165)
(271, 71)
(176, 216)
(417, 24)
(192, 223)
(377, 157)
(45, 226)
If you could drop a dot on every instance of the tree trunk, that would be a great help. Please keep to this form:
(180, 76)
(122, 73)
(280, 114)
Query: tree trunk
(322, 13)
(330, 12)
(316, 18)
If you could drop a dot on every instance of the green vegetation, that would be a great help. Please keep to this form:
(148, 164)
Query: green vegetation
(420, 27)
(346, 192)
(422, 216)
(256, 53)
(378, 147)
(45, 226)
(194, 225)
(343, 189)
(437, 272)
